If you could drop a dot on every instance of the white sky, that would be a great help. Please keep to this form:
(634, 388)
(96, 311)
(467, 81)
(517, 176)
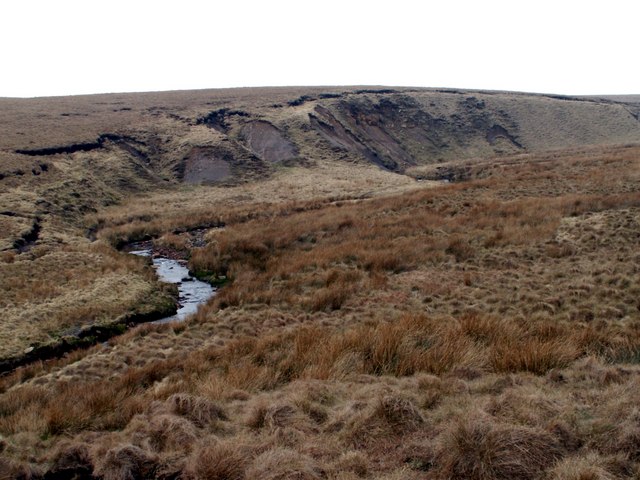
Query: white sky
(66, 47)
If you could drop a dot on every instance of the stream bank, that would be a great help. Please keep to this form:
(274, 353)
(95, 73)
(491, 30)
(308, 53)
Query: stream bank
(191, 293)
(87, 336)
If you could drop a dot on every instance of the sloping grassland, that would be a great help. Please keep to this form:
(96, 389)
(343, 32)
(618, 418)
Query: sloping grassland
(417, 284)
(480, 329)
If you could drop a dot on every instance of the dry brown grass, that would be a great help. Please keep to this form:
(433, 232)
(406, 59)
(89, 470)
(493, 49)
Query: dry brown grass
(450, 440)
(126, 462)
(288, 190)
(487, 329)
(486, 225)
(216, 461)
(480, 449)
(57, 292)
(128, 188)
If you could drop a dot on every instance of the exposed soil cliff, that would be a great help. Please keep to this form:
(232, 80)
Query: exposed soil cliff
(267, 142)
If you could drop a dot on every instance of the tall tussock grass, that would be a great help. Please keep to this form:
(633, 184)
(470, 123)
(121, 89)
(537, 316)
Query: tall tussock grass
(216, 461)
(416, 343)
(481, 449)
(282, 261)
(410, 345)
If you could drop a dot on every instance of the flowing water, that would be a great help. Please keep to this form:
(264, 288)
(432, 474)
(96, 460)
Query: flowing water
(192, 292)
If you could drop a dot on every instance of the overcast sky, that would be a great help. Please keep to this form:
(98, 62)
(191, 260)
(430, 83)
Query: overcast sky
(67, 47)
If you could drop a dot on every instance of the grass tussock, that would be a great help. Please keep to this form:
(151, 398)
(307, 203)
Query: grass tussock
(126, 462)
(162, 432)
(285, 464)
(388, 416)
(591, 465)
(477, 449)
(216, 461)
(200, 411)
(72, 459)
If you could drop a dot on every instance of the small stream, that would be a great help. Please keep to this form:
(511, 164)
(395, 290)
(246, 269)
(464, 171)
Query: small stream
(192, 292)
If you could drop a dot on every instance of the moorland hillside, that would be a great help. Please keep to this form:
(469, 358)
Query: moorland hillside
(415, 283)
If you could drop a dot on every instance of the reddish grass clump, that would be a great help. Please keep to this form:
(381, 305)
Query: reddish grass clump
(126, 462)
(162, 432)
(72, 460)
(216, 461)
(284, 464)
(197, 409)
(389, 415)
(477, 449)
